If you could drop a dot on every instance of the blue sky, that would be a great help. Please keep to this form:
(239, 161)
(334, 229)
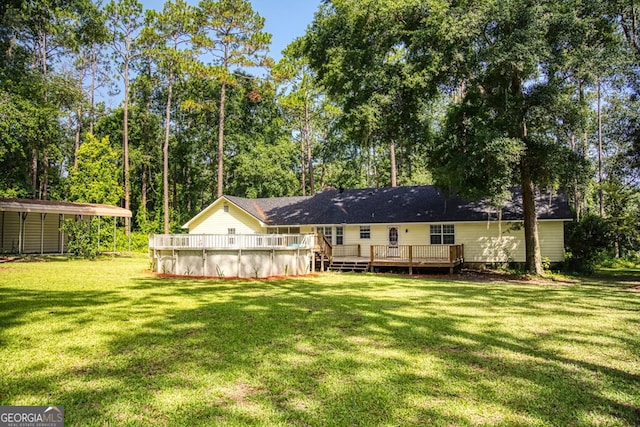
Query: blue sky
(284, 19)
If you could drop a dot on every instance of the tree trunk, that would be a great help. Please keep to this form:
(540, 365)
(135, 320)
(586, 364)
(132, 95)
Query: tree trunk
(600, 193)
(76, 145)
(392, 155)
(34, 173)
(303, 165)
(94, 72)
(576, 189)
(125, 142)
(45, 175)
(533, 259)
(165, 155)
(307, 137)
(143, 193)
(223, 93)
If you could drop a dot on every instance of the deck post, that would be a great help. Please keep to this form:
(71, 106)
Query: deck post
(313, 260)
(359, 251)
(372, 252)
(410, 259)
(20, 231)
(204, 261)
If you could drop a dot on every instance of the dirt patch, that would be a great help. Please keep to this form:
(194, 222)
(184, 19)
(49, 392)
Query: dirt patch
(6, 259)
(487, 276)
(226, 278)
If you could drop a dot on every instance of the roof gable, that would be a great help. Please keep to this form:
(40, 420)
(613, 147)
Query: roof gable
(216, 205)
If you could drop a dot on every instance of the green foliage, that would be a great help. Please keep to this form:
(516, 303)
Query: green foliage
(96, 178)
(587, 241)
(82, 237)
(261, 160)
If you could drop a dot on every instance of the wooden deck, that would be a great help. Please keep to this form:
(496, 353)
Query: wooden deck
(350, 257)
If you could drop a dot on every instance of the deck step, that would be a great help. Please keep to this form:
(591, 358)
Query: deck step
(349, 266)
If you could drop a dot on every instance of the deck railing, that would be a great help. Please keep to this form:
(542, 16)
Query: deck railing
(346, 251)
(443, 253)
(231, 241)
(323, 246)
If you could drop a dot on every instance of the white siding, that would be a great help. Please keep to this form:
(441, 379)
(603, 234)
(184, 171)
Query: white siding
(493, 242)
(489, 242)
(484, 242)
(10, 231)
(551, 236)
(31, 233)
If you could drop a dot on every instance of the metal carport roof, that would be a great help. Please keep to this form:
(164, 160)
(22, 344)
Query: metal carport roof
(67, 208)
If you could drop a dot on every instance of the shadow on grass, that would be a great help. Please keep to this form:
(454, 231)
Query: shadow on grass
(364, 352)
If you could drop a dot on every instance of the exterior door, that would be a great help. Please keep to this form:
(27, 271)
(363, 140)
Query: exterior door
(392, 248)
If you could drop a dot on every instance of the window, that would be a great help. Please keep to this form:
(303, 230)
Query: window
(225, 208)
(284, 230)
(232, 238)
(443, 234)
(339, 235)
(365, 232)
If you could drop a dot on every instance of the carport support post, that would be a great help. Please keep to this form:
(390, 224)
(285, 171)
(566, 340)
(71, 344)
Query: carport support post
(42, 216)
(115, 231)
(98, 233)
(62, 234)
(21, 232)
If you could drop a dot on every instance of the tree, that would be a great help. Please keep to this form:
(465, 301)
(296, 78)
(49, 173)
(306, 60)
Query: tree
(125, 21)
(38, 36)
(505, 60)
(360, 52)
(232, 33)
(168, 38)
(303, 103)
(95, 180)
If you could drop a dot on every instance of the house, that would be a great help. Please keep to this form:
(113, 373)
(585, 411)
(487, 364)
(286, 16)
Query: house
(34, 226)
(402, 226)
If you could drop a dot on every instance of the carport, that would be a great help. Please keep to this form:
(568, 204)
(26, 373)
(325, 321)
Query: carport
(34, 226)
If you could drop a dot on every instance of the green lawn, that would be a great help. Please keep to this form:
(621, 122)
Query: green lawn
(117, 346)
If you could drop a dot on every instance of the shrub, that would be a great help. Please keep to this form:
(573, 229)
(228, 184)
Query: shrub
(588, 241)
(82, 238)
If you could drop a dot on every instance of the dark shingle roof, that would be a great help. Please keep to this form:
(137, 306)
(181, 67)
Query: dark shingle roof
(392, 205)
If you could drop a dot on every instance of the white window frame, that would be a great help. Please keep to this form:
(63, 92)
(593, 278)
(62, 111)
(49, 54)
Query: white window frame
(442, 232)
(339, 236)
(365, 232)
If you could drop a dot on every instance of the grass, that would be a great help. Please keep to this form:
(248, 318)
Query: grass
(117, 346)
